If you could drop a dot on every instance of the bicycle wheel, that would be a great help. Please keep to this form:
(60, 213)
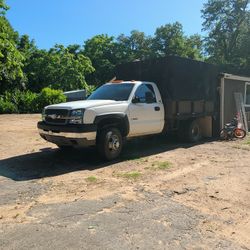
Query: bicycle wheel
(239, 133)
(223, 134)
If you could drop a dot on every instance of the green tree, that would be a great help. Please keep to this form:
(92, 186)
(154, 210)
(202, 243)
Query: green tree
(11, 60)
(137, 46)
(75, 49)
(58, 69)
(170, 40)
(194, 47)
(3, 7)
(101, 50)
(243, 50)
(228, 24)
(26, 46)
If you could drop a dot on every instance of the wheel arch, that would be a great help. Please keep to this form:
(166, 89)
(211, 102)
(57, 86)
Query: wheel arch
(118, 120)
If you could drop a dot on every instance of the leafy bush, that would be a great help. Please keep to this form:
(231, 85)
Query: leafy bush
(28, 102)
(7, 107)
(47, 97)
(23, 100)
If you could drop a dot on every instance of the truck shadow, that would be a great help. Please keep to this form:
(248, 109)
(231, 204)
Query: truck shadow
(52, 162)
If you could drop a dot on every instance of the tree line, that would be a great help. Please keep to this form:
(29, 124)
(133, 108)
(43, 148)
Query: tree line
(23, 66)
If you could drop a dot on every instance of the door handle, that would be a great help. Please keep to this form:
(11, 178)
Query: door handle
(157, 108)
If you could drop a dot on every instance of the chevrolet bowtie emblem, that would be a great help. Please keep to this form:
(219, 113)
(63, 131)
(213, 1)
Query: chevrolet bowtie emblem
(54, 116)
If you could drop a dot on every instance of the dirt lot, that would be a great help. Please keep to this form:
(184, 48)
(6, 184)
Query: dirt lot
(160, 195)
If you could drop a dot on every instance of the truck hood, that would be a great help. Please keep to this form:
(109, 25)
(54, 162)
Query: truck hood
(82, 104)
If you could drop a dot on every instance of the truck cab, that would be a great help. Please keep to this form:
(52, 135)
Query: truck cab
(115, 111)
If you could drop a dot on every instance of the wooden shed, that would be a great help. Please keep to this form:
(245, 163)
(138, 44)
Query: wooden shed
(235, 93)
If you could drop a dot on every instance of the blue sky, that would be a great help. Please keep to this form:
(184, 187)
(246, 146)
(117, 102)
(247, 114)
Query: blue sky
(74, 21)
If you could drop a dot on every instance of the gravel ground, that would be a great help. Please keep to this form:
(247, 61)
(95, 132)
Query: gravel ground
(160, 195)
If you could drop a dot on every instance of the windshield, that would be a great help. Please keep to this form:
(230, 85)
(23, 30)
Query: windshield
(116, 92)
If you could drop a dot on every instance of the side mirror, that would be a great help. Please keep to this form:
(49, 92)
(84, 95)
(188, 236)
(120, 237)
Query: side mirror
(135, 99)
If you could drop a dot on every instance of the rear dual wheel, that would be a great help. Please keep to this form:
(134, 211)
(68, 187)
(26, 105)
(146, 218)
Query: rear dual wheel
(190, 131)
(194, 132)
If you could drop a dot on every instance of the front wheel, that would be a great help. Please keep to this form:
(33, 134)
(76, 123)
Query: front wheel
(110, 143)
(224, 134)
(239, 133)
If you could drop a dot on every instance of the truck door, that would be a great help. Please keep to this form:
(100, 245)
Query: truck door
(146, 115)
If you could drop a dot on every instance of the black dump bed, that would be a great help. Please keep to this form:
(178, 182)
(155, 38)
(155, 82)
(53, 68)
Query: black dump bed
(188, 87)
(177, 78)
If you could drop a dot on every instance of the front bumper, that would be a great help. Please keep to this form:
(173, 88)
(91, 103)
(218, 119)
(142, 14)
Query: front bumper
(64, 135)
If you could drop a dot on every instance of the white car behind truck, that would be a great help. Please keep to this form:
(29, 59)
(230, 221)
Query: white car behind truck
(117, 110)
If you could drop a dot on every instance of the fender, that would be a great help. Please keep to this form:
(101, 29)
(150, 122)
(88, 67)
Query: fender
(114, 118)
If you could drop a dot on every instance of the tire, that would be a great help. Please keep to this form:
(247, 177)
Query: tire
(189, 131)
(223, 134)
(239, 133)
(110, 143)
(193, 132)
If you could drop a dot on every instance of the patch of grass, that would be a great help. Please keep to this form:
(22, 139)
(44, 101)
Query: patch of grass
(91, 179)
(135, 158)
(141, 160)
(161, 165)
(242, 147)
(133, 175)
(248, 142)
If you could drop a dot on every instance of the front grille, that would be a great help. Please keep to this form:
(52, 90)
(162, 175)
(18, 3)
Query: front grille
(56, 116)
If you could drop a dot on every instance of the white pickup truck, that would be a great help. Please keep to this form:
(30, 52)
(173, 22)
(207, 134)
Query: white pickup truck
(116, 110)
(183, 99)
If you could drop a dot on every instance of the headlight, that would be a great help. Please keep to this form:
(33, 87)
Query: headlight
(76, 113)
(76, 116)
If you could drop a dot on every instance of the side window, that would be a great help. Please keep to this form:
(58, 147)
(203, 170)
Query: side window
(247, 94)
(145, 92)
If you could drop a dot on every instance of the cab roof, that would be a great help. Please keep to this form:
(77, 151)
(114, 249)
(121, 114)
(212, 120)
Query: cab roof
(131, 81)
